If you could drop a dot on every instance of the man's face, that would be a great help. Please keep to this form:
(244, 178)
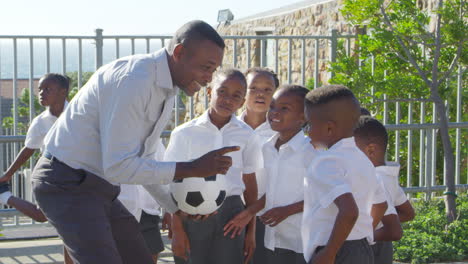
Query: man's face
(197, 63)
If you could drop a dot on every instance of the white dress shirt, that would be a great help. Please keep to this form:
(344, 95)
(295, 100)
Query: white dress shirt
(341, 169)
(111, 126)
(389, 176)
(199, 136)
(136, 198)
(263, 133)
(38, 129)
(286, 169)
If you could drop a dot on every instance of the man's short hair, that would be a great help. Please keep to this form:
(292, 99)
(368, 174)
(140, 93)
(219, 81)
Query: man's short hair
(265, 71)
(371, 130)
(326, 94)
(195, 31)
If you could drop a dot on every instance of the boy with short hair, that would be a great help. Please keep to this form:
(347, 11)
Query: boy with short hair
(343, 199)
(372, 138)
(207, 242)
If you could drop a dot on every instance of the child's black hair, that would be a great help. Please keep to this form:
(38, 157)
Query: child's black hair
(62, 80)
(265, 71)
(365, 112)
(294, 89)
(371, 130)
(230, 73)
(326, 94)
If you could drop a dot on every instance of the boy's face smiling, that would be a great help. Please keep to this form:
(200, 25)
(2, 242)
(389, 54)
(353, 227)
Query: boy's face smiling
(260, 91)
(286, 113)
(226, 97)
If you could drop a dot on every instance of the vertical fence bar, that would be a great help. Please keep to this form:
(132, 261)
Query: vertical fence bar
(333, 48)
(64, 56)
(316, 63)
(117, 48)
(303, 60)
(177, 121)
(457, 131)
(428, 157)
(348, 46)
(289, 60)
(422, 146)
(148, 49)
(163, 42)
(276, 56)
(234, 53)
(262, 53)
(192, 109)
(409, 162)
(385, 110)
(434, 147)
(397, 132)
(80, 64)
(2, 164)
(15, 89)
(372, 73)
(99, 44)
(132, 41)
(31, 80)
(47, 55)
(248, 53)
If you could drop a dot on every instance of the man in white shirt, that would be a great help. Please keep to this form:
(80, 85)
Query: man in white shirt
(107, 137)
(343, 199)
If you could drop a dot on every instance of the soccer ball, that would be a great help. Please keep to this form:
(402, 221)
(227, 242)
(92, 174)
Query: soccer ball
(199, 195)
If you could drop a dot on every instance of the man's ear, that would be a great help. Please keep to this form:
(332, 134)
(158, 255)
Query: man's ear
(178, 52)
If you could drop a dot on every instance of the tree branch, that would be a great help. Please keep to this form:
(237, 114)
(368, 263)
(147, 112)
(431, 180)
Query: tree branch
(452, 64)
(405, 48)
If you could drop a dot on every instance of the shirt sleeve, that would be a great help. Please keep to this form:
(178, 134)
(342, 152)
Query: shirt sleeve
(379, 193)
(119, 127)
(177, 146)
(252, 155)
(34, 137)
(329, 180)
(399, 194)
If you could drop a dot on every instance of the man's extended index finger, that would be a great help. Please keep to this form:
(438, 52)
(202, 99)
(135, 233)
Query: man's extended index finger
(225, 150)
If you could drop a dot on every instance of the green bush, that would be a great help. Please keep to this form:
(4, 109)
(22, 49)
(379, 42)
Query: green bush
(429, 238)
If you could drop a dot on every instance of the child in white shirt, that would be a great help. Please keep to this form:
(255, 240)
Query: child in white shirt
(261, 84)
(372, 138)
(211, 241)
(343, 199)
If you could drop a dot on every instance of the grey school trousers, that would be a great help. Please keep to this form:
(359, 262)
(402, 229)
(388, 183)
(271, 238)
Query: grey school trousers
(284, 256)
(94, 226)
(208, 245)
(383, 252)
(352, 252)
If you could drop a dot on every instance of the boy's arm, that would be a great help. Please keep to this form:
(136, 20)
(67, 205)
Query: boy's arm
(22, 157)
(391, 230)
(180, 242)
(348, 213)
(276, 215)
(246, 217)
(377, 212)
(405, 211)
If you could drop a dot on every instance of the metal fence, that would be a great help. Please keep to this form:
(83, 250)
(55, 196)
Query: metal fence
(296, 59)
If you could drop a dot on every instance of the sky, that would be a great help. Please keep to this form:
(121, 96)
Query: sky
(143, 17)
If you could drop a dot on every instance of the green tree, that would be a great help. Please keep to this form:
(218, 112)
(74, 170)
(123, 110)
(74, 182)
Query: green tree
(419, 49)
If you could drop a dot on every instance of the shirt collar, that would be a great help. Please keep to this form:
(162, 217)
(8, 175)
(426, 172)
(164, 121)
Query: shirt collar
(343, 143)
(264, 125)
(390, 168)
(49, 114)
(163, 74)
(296, 143)
(204, 120)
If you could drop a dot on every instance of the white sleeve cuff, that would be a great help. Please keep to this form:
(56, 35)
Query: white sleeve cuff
(330, 197)
(162, 195)
(4, 197)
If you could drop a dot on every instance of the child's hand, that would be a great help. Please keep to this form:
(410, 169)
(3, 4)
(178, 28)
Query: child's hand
(275, 215)
(238, 223)
(166, 223)
(249, 245)
(323, 257)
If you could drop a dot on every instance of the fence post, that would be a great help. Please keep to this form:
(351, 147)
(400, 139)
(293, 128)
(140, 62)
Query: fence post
(333, 48)
(99, 44)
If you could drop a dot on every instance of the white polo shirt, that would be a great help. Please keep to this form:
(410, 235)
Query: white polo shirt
(136, 198)
(111, 126)
(263, 132)
(38, 129)
(389, 176)
(199, 136)
(286, 169)
(341, 169)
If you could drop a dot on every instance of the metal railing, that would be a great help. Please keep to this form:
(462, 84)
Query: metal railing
(296, 59)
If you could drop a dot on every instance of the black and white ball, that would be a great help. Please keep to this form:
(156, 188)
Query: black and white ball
(199, 195)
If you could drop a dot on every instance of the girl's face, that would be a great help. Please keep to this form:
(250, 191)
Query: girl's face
(260, 89)
(286, 113)
(227, 96)
(50, 92)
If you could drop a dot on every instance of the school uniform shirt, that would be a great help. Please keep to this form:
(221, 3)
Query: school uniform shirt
(341, 169)
(199, 136)
(389, 176)
(112, 125)
(38, 129)
(263, 133)
(286, 169)
(136, 198)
